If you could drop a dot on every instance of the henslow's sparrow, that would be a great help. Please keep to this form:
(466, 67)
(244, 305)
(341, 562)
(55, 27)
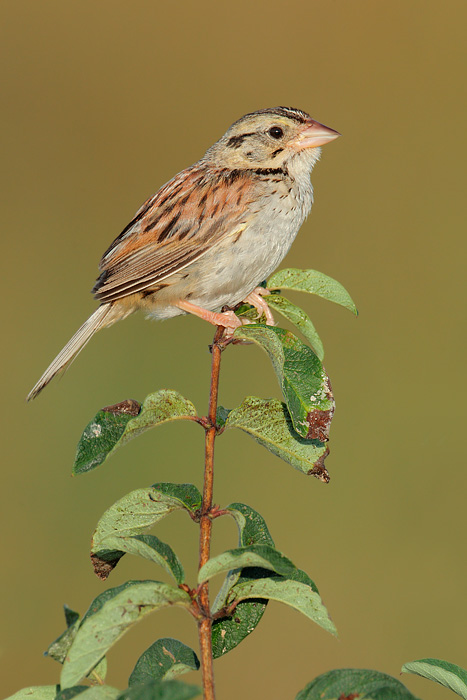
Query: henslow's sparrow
(212, 234)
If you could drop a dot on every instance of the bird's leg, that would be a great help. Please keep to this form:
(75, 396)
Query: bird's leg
(228, 319)
(255, 298)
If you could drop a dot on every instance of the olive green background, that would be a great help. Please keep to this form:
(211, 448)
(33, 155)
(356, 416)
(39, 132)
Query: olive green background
(102, 102)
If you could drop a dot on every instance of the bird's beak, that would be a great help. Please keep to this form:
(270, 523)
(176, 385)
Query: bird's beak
(315, 134)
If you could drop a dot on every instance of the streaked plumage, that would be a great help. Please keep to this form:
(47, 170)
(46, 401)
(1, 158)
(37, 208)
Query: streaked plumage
(214, 232)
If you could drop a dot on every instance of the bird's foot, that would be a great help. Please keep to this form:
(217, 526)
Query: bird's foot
(255, 298)
(227, 319)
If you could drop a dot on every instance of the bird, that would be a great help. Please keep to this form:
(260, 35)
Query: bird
(210, 236)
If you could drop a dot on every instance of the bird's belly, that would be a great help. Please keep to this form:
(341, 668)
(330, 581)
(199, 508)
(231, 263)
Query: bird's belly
(228, 274)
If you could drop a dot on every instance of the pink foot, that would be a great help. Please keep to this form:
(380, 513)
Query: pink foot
(228, 319)
(255, 298)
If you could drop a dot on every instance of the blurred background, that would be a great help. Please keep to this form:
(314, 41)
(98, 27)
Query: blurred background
(103, 102)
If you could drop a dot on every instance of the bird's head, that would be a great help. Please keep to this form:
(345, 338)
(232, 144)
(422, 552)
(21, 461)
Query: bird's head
(270, 138)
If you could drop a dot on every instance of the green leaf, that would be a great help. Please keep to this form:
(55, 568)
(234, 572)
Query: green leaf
(102, 434)
(104, 597)
(187, 495)
(100, 600)
(58, 649)
(143, 508)
(99, 672)
(256, 555)
(299, 318)
(294, 593)
(304, 383)
(161, 690)
(122, 525)
(447, 674)
(70, 693)
(249, 312)
(36, 692)
(71, 616)
(114, 426)
(221, 416)
(252, 528)
(313, 282)
(269, 423)
(86, 692)
(148, 547)
(302, 577)
(228, 632)
(344, 683)
(100, 692)
(164, 659)
(107, 621)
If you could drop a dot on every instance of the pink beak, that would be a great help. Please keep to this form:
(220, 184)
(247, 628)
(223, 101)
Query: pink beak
(315, 134)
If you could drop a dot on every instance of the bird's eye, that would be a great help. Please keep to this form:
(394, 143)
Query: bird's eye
(276, 132)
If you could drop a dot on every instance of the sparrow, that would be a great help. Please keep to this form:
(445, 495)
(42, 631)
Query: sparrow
(209, 237)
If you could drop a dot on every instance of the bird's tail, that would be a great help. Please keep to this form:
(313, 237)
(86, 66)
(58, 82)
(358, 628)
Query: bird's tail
(103, 316)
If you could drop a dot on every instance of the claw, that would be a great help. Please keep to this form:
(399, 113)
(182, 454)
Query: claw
(255, 298)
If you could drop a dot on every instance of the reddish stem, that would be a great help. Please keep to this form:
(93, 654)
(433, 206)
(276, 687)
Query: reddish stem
(205, 522)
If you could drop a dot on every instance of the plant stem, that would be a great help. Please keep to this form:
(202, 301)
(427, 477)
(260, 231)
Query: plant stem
(205, 623)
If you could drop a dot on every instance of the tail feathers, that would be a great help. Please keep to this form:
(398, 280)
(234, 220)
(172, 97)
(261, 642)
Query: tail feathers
(65, 357)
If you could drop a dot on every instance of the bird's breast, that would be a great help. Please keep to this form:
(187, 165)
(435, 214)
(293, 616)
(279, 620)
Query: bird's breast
(244, 257)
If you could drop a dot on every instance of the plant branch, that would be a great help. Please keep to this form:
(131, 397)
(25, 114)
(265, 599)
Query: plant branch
(205, 522)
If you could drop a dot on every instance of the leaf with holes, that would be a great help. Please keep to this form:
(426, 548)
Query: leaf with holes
(305, 385)
(269, 423)
(114, 426)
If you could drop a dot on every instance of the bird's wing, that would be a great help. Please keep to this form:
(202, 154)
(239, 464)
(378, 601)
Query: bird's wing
(180, 223)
